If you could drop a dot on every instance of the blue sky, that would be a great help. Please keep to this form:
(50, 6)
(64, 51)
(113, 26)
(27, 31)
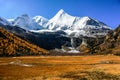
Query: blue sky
(107, 11)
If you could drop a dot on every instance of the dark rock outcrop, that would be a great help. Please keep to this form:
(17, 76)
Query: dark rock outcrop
(90, 44)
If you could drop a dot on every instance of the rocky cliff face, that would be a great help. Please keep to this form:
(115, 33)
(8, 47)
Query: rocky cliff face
(111, 43)
(90, 45)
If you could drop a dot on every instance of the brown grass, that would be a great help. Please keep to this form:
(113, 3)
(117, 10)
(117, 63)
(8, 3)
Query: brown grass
(60, 68)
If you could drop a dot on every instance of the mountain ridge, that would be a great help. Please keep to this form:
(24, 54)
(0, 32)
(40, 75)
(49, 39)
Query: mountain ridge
(62, 21)
(57, 33)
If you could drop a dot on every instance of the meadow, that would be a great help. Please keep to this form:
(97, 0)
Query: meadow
(86, 67)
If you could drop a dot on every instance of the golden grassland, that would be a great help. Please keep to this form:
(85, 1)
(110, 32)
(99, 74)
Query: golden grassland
(92, 67)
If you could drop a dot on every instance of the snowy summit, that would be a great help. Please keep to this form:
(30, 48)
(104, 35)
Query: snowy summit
(61, 21)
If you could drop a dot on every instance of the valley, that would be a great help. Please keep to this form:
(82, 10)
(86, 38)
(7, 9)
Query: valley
(64, 47)
(87, 67)
(59, 40)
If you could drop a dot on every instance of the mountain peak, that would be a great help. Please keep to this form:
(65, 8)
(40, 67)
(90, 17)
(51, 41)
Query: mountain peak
(25, 15)
(61, 11)
(61, 18)
(86, 17)
(37, 18)
(4, 21)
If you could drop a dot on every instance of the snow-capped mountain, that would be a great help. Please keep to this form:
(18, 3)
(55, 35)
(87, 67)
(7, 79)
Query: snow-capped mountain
(11, 21)
(61, 21)
(40, 20)
(76, 25)
(64, 21)
(4, 21)
(72, 25)
(62, 31)
(27, 23)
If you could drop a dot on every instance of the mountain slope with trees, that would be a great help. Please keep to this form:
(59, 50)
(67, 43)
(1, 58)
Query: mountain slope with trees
(111, 43)
(11, 45)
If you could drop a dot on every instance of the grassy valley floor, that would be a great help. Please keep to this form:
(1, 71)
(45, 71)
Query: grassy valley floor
(96, 67)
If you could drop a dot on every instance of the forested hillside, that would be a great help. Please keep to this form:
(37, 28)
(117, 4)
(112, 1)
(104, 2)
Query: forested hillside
(11, 45)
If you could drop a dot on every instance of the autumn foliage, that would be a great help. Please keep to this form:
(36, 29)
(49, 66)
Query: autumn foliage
(11, 45)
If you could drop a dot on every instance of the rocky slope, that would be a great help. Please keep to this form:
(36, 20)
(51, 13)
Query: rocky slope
(111, 43)
(11, 45)
(90, 45)
(46, 40)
